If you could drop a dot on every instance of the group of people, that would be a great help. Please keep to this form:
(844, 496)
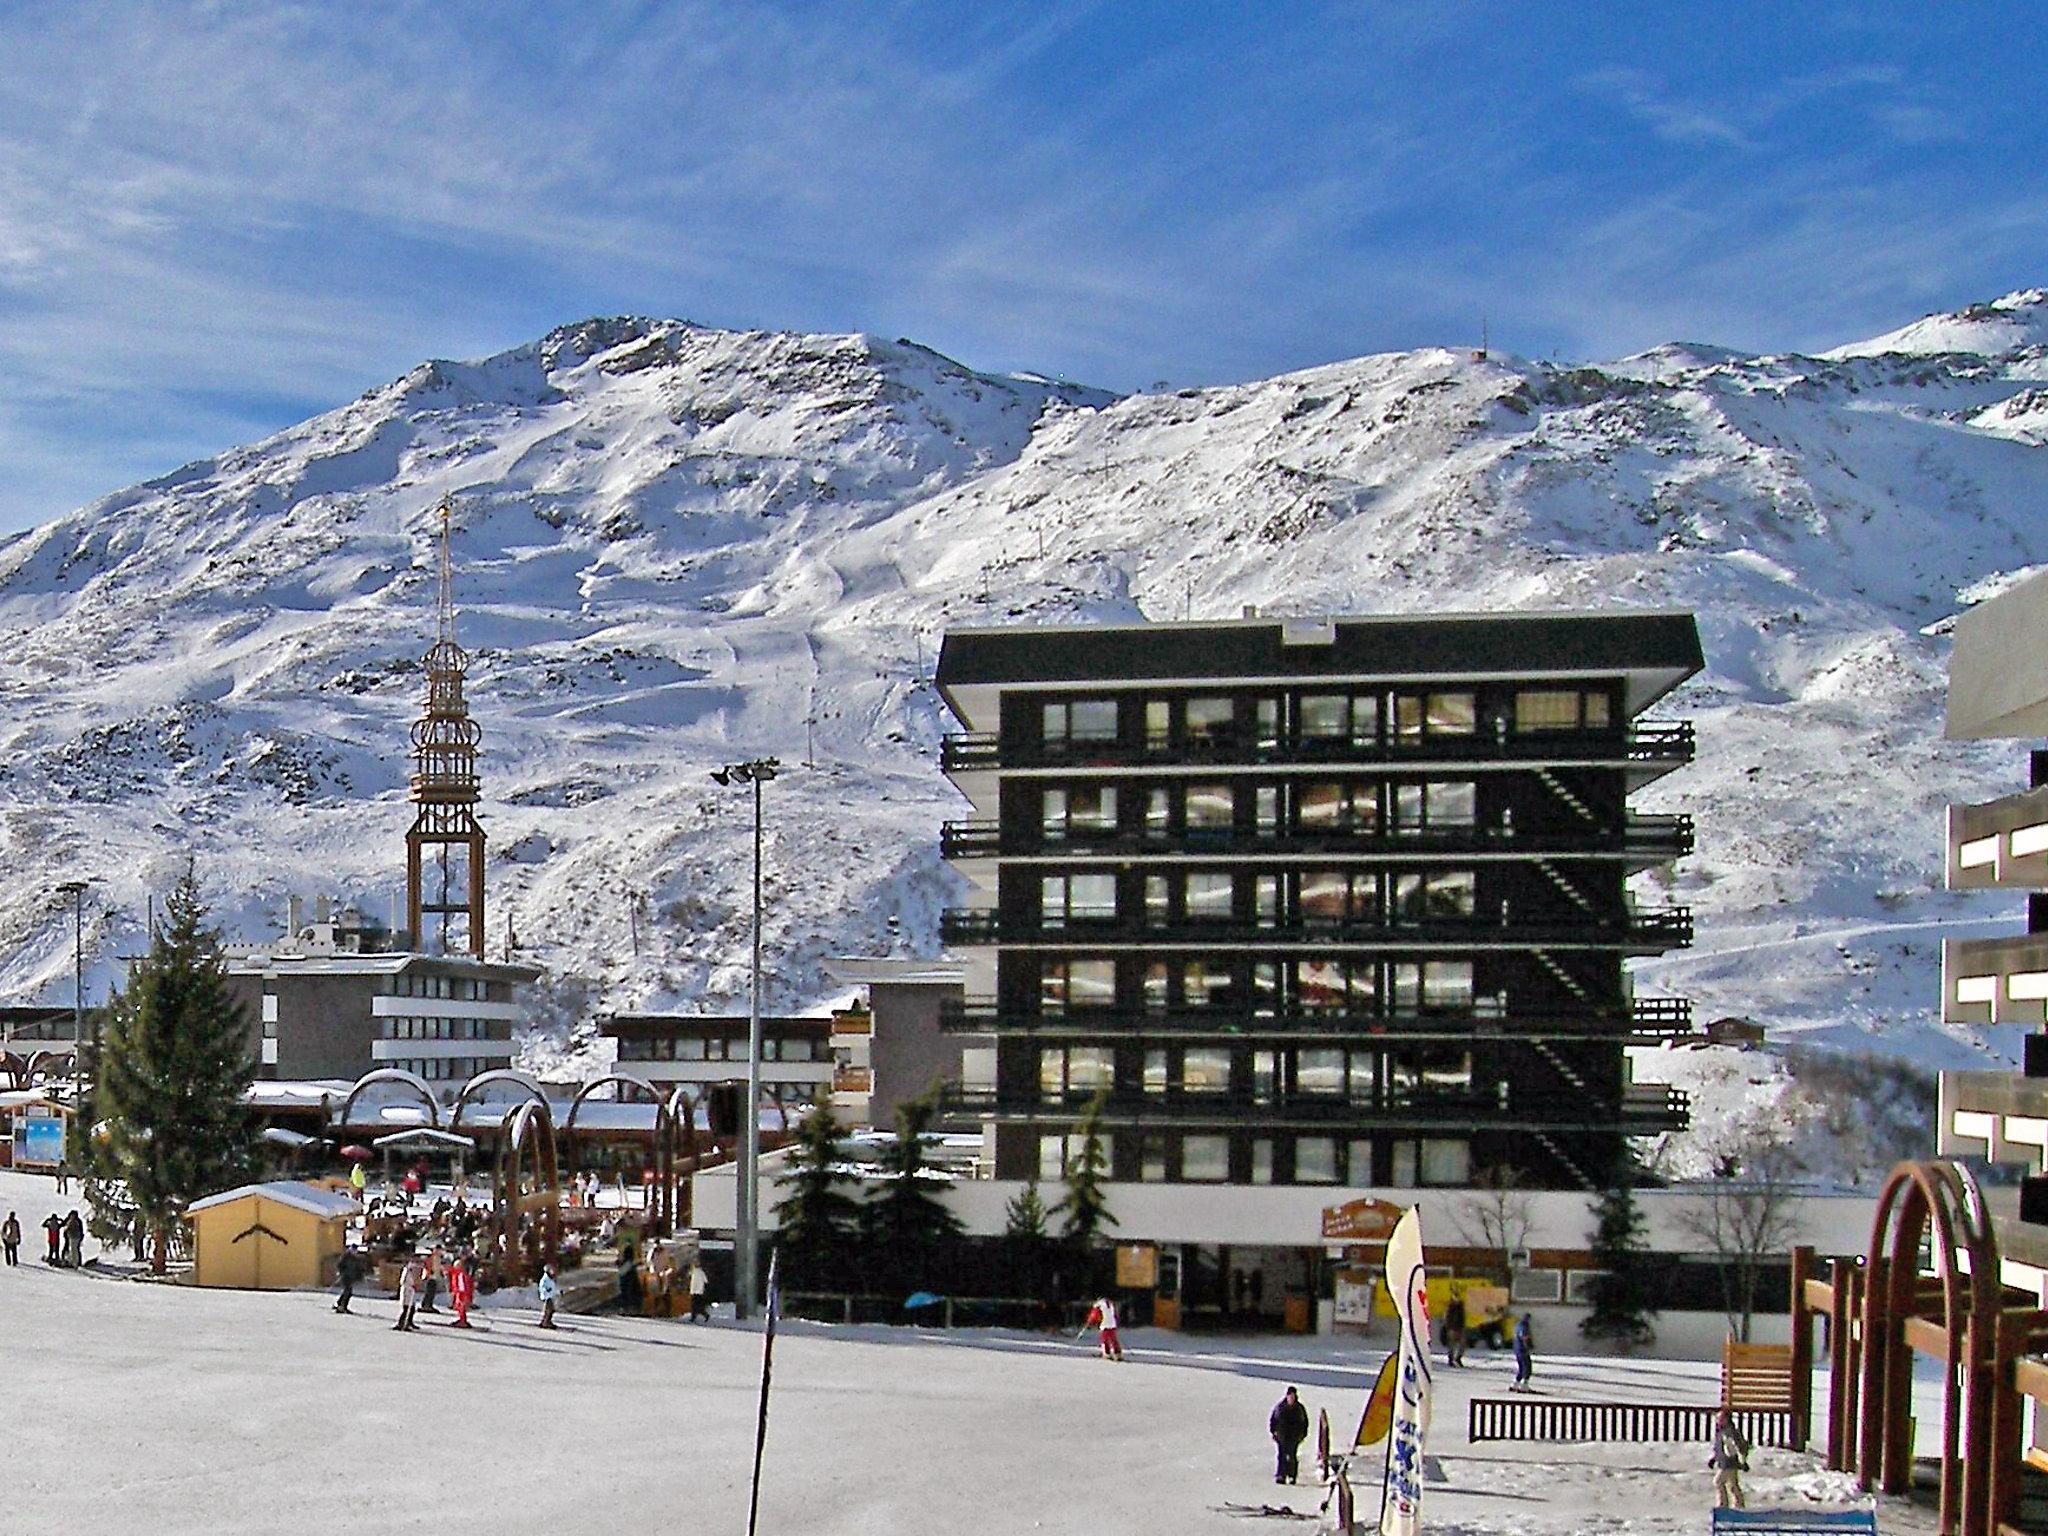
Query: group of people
(419, 1282)
(64, 1235)
(1455, 1335)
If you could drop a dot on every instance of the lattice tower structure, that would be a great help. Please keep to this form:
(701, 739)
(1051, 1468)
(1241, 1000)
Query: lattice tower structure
(445, 788)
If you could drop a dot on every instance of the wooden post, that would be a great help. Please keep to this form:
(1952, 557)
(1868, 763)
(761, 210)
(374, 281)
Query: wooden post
(1802, 1348)
(1842, 1364)
(1902, 1286)
(1870, 1437)
(2009, 1342)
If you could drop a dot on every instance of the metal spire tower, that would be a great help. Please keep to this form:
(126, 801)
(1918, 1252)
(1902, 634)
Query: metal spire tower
(444, 787)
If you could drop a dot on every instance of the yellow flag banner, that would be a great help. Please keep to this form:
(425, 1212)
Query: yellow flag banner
(1378, 1417)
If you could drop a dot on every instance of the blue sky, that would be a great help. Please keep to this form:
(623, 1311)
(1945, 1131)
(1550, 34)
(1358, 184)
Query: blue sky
(218, 219)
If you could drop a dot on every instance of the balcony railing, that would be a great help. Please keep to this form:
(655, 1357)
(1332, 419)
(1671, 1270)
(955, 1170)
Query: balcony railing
(1651, 929)
(1644, 1110)
(853, 1080)
(1638, 837)
(1641, 744)
(1645, 1021)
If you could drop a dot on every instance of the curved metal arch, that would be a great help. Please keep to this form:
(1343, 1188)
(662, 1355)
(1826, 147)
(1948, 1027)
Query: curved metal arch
(489, 1079)
(682, 1116)
(666, 1139)
(526, 1151)
(1915, 1196)
(45, 1065)
(14, 1069)
(399, 1075)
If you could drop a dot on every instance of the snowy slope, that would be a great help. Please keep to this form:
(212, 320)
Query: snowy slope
(679, 545)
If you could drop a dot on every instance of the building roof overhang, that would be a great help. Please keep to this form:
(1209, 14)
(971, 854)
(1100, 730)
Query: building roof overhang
(1651, 650)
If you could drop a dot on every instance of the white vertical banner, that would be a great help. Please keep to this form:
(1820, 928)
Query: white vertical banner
(1401, 1499)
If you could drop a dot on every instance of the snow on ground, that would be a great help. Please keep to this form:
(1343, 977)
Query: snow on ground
(173, 1410)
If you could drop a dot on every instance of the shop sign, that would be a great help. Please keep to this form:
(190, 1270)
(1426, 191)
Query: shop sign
(1360, 1221)
(1137, 1266)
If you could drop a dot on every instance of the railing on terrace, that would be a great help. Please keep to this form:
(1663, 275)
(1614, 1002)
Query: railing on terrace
(1645, 1021)
(1553, 1112)
(1640, 836)
(1643, 743)
(1557, 1420)
(1656, 928)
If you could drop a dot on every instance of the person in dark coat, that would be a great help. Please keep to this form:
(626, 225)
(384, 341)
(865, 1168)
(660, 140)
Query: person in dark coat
(1288, 1425)
(1525, 1354)
(1454, 1330)
(10, 1238)
(74, 1240)
(345, 1271)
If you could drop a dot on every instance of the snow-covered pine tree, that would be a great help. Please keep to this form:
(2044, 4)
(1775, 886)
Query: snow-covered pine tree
(907, 1221)
(170, 1124)
(1623, 1294)
(1084, 1206)
(818, 1218)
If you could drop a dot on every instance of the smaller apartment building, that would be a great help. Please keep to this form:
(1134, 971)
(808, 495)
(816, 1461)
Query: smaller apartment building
(328, 1002)
(797, 1062)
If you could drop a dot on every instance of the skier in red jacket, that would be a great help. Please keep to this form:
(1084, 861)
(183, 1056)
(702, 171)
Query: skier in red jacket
(461, 1289)
(1103, 1316)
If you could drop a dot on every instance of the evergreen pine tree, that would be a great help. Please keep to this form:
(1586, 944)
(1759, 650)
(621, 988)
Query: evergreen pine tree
(818, 1218)
(1025, 1214)
(174, 1063)
(1623, 1294)
(908, 1223)
(1084, 1206)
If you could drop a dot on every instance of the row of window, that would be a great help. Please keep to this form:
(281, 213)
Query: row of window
(437, 1029)
(449, 1068)
(1363, 1077)
(1311, 895)
(1306, 985)
(696, 1048)
(1308, 807)
(1160, 1157)
(414, 984)
(1356, 717)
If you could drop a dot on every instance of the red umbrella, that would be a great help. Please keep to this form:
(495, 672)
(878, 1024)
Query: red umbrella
(647, 1176)
(356, 1154)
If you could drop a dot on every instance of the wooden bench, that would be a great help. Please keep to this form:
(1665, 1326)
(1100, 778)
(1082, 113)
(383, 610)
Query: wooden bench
(1792, 1522)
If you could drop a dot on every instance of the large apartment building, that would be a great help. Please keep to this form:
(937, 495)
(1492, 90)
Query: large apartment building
(1315, 902)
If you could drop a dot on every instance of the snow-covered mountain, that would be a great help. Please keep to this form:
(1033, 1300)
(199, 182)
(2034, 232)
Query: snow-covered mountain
(678, 546)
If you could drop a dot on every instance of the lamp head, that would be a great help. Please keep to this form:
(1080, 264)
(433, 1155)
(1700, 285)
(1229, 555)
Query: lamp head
(722, 775)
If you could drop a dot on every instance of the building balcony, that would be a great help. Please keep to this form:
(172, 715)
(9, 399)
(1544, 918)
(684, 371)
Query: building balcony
(855, 1082)
(1647, 749)
(1995, 981)
(851, 1023)
(2002, 844)
(1648, 931)
(2002, 1116)
(786, 1073)
(1645, 1109)
(1645, 1021)
(1643, 841)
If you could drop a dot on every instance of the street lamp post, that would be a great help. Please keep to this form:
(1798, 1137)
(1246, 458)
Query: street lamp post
(75, 889)
(747, 1246)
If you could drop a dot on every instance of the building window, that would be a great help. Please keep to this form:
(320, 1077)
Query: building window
(1068, 985)
(1158, 724)
(1208, 721)
(1423, 1073)
(1065, 1070)
(1157, 999)
(1056, 1154)
(1323, 808)
(1336, 986)
(1079, 720)
(1319, 1070)
(1209, 897)
(1152, 1157)
(1336, 896)
(1268, 717)
(1417, 715)
(1078, 810)
(1265, 1076)
(1315, 1160)
(1266, 810)
(1445, 1160)
(1322, 718)
(1262, 1160)
(1209, 807)
(1076, 898)
(1155, 1072)
(1205, 983)
(1205, 1069)
(1266, 900)
(1439, 893)
(1538, 710)
(1435, 803)
(1158, 813)
(1205, 1159)
(1361, 1162)
(1431, 985)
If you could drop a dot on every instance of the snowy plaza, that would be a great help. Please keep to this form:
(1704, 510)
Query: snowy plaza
(171, 1409)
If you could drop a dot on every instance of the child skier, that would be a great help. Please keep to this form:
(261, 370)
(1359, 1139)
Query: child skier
(1102, 1316)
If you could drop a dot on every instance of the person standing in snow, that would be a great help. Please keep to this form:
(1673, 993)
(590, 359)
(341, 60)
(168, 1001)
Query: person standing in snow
(550, 1293)
(461, 1289)
(1525, 1353)
(63, 1176)
(1729, 1461)
(1288, 1425)
(408, 1296)
(430, 1282)
(1102, 1316)
(10, 1239)
(700, 1287)
(1454, 1331)
(345, 1272)
(74, 1240)
(53, 1232)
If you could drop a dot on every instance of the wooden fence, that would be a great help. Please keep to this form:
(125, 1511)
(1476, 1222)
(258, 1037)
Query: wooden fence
(1541, 1419)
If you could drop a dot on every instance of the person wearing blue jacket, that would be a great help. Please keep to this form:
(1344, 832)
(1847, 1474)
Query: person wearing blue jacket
(550, 1293)
(1525, 1353)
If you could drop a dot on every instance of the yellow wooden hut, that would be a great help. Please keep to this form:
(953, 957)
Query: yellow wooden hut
(269, 1237)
